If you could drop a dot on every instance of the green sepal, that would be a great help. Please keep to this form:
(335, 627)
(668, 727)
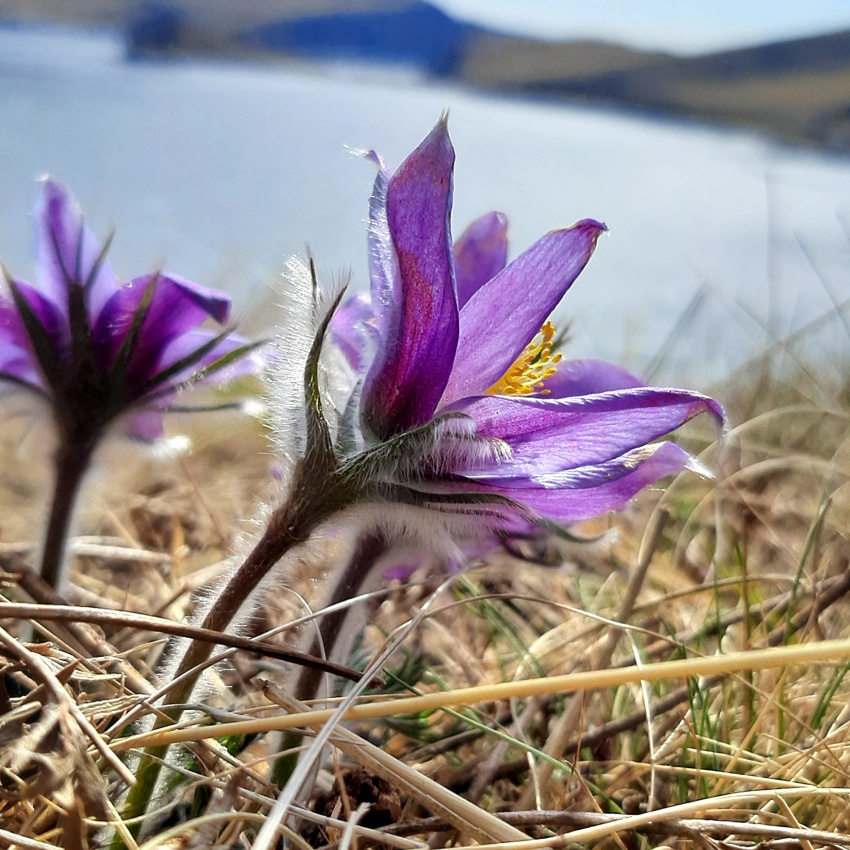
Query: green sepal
(69, 281)
(480, 503)
(121, 361)
(183, 363)
(217, 365)
(348, 422)
(319, 453)
(381, 462)
(98, 263)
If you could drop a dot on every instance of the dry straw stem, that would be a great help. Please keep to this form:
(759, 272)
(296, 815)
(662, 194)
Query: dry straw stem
(671, 813)
(820, 652)
(41, 669)
(686, 827)
(461, 813)
(76, 613)
(12, 839)
(75, 632)
(169, 837)
(570, 719)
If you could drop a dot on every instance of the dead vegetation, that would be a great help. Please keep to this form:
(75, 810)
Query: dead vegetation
(754, 561)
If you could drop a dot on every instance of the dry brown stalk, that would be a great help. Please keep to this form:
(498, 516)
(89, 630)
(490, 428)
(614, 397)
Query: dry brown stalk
(683, 827)
(76, 613)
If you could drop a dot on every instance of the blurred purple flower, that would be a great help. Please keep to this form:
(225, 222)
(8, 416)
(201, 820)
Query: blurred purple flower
(97, 349)
(461, 348)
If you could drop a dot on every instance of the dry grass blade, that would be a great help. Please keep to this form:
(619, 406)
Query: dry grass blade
(41, 669)
(305, 765)
(11, 839)
(725, 709)
(820, 652)
(684, 827)
(78, 613)
(186, 832)
(570, 719)
(674, 814)
(464, 816)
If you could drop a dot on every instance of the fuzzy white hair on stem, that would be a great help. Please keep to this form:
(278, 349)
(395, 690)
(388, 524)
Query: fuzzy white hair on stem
(289, 359)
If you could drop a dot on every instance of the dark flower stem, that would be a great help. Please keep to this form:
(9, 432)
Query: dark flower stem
(72, 462)
(359, 566)
(364, 557)
(290, 525)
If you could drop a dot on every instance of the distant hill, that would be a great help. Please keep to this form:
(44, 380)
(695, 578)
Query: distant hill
(500, 61)
(413, 33)
(799, 90)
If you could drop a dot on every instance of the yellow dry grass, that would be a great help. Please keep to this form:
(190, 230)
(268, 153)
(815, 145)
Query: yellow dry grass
(703, 624)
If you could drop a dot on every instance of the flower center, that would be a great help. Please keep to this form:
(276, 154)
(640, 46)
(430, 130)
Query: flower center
(531, 368)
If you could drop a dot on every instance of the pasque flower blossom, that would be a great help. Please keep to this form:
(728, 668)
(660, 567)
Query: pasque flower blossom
(98, 349)
(458, 408)
(460, 342)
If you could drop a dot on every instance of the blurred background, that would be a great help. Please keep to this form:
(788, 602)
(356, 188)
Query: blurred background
(216, 138)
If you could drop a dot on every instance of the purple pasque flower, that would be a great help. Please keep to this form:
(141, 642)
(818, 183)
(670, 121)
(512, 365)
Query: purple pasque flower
(98, 348)
(462, 345)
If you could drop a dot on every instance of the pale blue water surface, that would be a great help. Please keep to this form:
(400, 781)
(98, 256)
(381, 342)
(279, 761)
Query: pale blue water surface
(220, 171)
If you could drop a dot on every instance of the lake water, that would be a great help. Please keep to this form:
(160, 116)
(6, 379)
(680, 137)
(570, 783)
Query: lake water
(220, 171)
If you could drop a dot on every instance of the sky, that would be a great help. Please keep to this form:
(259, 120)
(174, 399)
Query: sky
(676, 26)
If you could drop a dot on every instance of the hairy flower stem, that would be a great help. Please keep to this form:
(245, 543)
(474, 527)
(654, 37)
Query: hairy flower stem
(314, 498)
(364, 557)
(71, 462)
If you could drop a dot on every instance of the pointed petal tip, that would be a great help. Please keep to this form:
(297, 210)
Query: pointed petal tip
(707, 404)
(51, 190)
(369, 155)
(54, 191)
(717, 411)
(496, 220)
(48, 181)
(587, 228)
(591, 225)
(216, 303)
(439, 139)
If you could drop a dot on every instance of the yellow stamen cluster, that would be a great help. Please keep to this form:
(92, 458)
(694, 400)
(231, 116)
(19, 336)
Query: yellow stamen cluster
(531, 368)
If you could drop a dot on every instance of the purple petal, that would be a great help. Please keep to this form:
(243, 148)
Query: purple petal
(383, 264)
(638, 469)
(551, 435)
(177, 306)
(16, 356)
(67, 251)
(144, 426)
(354, 332)
(502, 318)
(587, 377)
(418, 342)
(480, 254)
